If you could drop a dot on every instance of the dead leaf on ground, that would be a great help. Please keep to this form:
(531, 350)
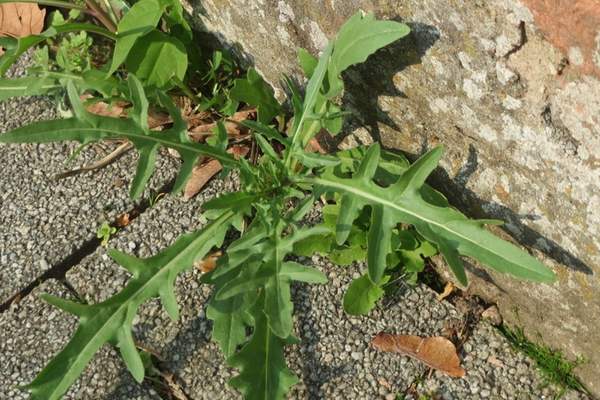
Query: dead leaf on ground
(447, 291)
(122, 220)
(20, 19)
(492, 314)
(436, 352)
(200, 132)
(495, 362)
(104, 109)
(203, 172)
(209, 262)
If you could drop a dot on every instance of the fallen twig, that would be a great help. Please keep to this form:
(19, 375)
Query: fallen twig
(118, 152)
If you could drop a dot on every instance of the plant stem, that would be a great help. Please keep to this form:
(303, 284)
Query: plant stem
(101, 15)
(186, 90)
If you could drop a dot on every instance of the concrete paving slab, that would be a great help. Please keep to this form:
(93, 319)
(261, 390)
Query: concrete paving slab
(42, 221)
(32, 331)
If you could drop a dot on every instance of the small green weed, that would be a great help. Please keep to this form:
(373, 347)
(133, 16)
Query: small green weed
(105, 232)
(553, 365)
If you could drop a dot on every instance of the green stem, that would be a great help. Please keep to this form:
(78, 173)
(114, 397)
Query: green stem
(186, 90)
(101, 15)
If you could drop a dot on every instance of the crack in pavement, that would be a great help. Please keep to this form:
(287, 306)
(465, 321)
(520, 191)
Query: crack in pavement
(60, 269)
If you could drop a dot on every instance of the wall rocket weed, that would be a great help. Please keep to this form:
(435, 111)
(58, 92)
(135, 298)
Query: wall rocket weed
(372, 195)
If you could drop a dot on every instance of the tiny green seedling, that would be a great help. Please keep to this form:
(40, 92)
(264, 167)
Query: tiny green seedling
(105, 232)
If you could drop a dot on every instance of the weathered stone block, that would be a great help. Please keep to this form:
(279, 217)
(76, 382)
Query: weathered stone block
(511, 89)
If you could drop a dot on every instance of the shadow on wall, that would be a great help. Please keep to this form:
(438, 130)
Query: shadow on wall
(515, 225)
(375, 77)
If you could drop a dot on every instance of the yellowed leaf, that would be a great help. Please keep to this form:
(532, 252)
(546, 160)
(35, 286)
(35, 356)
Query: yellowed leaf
(436, 352)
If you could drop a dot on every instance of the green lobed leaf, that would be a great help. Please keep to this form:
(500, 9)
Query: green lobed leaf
(263, 371)
(450, 230)
(29, 86)
(157, 59)
(111, 320)
(362, 295)
(356, 40)
(90, 127)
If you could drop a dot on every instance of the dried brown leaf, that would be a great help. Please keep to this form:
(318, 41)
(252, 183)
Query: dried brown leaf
(447, 291)
(203, 172)
(21, 19)
(436, 352)
(122, 220)
(209, 262)
(104, 109)
(200, 132)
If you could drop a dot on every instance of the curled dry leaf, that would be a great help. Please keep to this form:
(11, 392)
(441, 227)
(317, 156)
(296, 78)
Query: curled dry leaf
(114, 110)
(436, 352)
(20, 19)
(492, 315)
(122, 220)
(203, 172)
(209, 263)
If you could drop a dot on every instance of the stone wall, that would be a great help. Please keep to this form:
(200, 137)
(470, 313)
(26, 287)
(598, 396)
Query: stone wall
(511, 88)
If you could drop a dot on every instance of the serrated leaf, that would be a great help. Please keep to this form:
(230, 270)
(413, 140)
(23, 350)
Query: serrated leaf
(140, 20)
(92, 127)
(229, 329)
(263, 372)
(111, 320)
(362, 295)
(157, 59)
(255, 91)
(404, 203)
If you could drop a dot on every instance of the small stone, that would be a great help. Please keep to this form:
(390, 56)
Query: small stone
(492, 315)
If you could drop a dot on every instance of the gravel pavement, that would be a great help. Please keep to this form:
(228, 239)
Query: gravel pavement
(43, 220)
(32, 331)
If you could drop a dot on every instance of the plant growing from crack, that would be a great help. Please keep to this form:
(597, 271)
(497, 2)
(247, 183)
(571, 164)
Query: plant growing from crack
(372, 196)
(104, 232)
